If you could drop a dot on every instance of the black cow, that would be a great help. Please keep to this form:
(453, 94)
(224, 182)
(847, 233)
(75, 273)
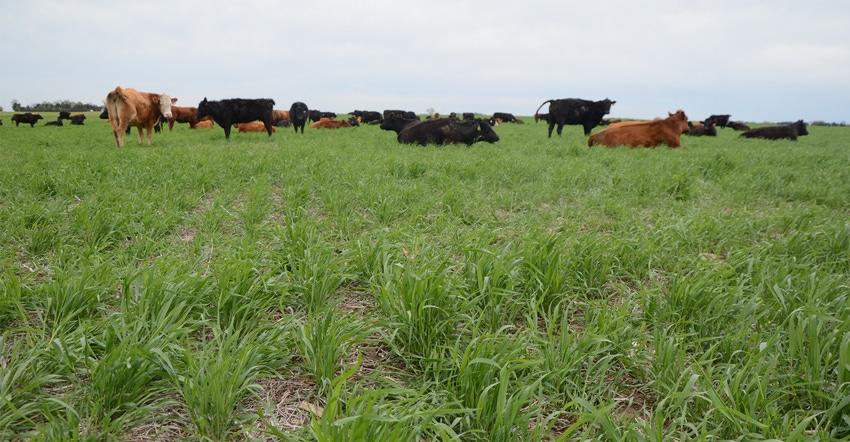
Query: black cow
(576, 111)
(27, 118)
(790, 131)
(720, 120)
(238, 110)
(505, 117)
(707, 129)
(63, 115)
(367, 116)
(316, 115)
(298, 114)
(403, 113)
(77, 120)
(468, 116)
(447, 131)
(737, 125)
(58, 122)
(397, 123)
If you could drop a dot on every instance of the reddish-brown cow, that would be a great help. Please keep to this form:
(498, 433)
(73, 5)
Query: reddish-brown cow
(254, 126)
(330, 123)
(183, 115)
(204, 123)
(131, 108)
(647, 134)
(278, 115)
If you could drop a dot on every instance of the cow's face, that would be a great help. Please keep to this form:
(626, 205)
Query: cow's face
(486, 132)
(801, 128)
(165, 102)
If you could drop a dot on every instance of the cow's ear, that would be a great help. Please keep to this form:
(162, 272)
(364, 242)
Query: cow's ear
(173, 100)
(156, 99)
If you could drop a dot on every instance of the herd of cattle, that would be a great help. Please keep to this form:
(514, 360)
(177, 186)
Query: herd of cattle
(126, 108)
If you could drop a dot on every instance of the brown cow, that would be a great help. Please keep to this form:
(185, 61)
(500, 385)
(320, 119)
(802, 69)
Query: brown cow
(647, 134)
(131, 108)
(204, 123)
(254, 126)
(330, 123)
(278, 115)
(183, 115)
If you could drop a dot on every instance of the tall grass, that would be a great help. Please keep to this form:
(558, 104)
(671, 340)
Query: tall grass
(535, 289)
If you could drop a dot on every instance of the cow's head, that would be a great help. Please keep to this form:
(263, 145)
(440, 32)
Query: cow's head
(486, 132)
(801, 127)
(681, 118)
(165, 103)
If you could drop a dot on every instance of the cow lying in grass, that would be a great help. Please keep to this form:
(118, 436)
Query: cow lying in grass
(789, 131)
(643, 134)
(447, 131)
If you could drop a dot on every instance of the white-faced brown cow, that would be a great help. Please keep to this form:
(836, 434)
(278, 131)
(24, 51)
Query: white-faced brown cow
(130, 108)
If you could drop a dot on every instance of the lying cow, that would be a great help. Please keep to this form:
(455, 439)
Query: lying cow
(575, 111)
(130, 108)
(204, 123)
(737, 125)
(706, 128)
(720, 120)
(238, 110)
(330, 123)
(58, 122)
(278, 116)
(643, 134)
(397, 123)
(790, 131)
(77, 120)
(254, 126)
(447, 131)
(27, 118)
(368, 116)
(505, 117)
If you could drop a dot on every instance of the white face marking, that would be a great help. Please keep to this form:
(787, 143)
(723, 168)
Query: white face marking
(165, 105)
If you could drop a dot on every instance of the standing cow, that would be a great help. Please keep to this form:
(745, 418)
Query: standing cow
(127, 108)
(238, 110)
(575, 111)
(298, 114)
(27, 118)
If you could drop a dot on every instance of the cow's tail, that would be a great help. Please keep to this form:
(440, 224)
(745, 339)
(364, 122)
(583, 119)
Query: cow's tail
(544, 103)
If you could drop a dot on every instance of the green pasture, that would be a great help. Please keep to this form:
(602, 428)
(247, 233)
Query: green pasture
(338, 286)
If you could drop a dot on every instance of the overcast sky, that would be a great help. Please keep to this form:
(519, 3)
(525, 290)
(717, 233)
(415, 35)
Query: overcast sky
(775, 60)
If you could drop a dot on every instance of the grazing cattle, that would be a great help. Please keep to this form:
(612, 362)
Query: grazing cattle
(643, 134)
(468, 116)
(576, 111)
(130, 108)
(238, 110)
(544, 117)
(505, 117)
(58, 122)
(790, 131)
(447, 131)
(27, 118)
(64, 115)
(330, 123)
(397, 123)
(204, 123)
(77, 120)
(720, 120)
(706, 128)
(253, 126)
(737, 125)
(181, 114)
(298, 114)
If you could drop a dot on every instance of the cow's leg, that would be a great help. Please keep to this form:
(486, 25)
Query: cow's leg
(551, 126)
(150, 131)
(587, 129)
(560, 128)
(268, 125)
(226, 130)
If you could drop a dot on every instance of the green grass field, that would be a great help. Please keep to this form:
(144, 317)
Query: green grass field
(338, 286)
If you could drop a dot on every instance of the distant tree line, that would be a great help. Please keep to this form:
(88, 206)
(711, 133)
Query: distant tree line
(56, 106)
